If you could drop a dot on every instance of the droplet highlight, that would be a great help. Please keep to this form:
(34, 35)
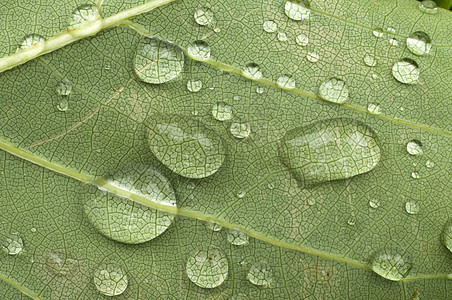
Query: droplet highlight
(411, 207)
(374, 109)
(13, 244)
(240, 129)
(312, 56)
(222, 111)
(297, 9)
(194, 86)
(203, 16)
(82, 15)
(378, 32)
(374, 203)
(391, 263)
(207, 267)
(406, 71)
(260, 274)
(419, 43)
(199, 50)
(237, 238)
(110, 279)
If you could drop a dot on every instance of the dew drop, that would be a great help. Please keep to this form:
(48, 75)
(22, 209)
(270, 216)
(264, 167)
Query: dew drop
(415, 175)
(391, 263)
(194, 86)
(260, 274)
(63, 105)
(378, 32)
(351, 221)
(203, 16)
(82, 15)
(446, 235)
(222, 111)
(240, 129)
(124, 220)
(270, 26)
(59, 263)
(374, 203)
(391, 30)
(411, 207)
(330, 149)
(406, 71)
(419, 43)
(311, 201)
(259, 90)
(282, 37)
(393, 42)
(237, 238)
(214, 226)
(370, 60)
(33, 229)
(241, 193)
(429, 164)
(312, 57)
(110, 279)
(286, 82)
(199, 50)
(297, 9)
(207, 267)
(428, 7)
(158, 61)
(30, 40)
(334, 90)
(252, 71)
(13, 244)
(64, 88)
(186, 146)
(374, 109)
(414, 147)
(302, 40)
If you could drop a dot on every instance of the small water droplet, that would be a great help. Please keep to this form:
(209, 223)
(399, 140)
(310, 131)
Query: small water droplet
(13, 244)
(214, 226)
(374, 203)
(414, 147)
(207, 267)
(282, 37)
(260, 274)
(252, 71)
(82, 15)
(446, 235)
(393, 42)
(270, 26)
(406, 71)
(240, 129)
(428, 7)
(270, 185)
(110, 279)
(217, 30)
(419, 43)
(237, 238)
(370, 60)
(30, 40)
(311, 201)
(302, 40)
(391, 30)
(63, 104)
(64, 88)
(199, 50)
(222, 111)
(203, 16)
(241, 193)
(259, 90)
(351, 221)
(429, 164)
(33, 230)
(415, 175)
(286, 82)
(334, 90)
(374, 109)
(59, 263)
(391, 263)
(411, 207)
(194, 85)
(378, 32)
(297, 9)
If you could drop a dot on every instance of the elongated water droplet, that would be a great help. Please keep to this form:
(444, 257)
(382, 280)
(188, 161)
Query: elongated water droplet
(64, 88)
(110, 279)
(238, 238)
(428, 7)
(63, 104)
(374, 109)
(203, 16)
(370, 60)
(214, 226)
(126, 221)
(252, 71)
(328, 150)
(446, 235)
(419, 43)
(260, 274)
(186, 146)
(59, 263)
(297, 9)
(312, 56)
(414, 147)
(334, 90)
(378, 32)
(207, 267)
(222, 111)
(282, 37)
(391, 263)
(82, 15)
(411, 207)
(374, 203)
(158, 61)
(199, 50)
(13, 244)
(406, 71)
(286, 82)
(302, 40)
(270, 26)
(194, 85)
(31, 40)
(240, 129)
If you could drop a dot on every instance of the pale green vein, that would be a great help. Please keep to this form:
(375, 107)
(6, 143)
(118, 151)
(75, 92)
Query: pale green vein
(19, 287)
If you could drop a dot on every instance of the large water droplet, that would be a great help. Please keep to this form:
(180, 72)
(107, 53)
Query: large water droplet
(194, 85)
(207, 267)
(312, 56)
(222, 111)
(30, 40)
(110, 279)
(186, 146)
(203, 16)
(302, 40)
(406, 71)
(124, 220)
(297, 9)
(260, 274)
(370, 60)
(270, 26)
(282, 37)
(328, 150)
(391, 263)
(158, 61)
(252, 71)
(334, 90)
(428, 7)
(238, 238)
(414, 147)
(411, 207)
(82, 15)
(13, 244)
(59, 263)
(286, 82)
(199, 50)
(419, 43)
(378, 32)
(446, 235)
(64, 88)
(240, 129)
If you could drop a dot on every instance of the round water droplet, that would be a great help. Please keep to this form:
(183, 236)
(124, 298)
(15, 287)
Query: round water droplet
(415, 175)
(124, 220)
(297, 9)
(334, 90)
(378, 32)
(446, 235)
(240, 129)
(406, 71)
(110, 279)
(238, 238)
(207, 267)
(419, 43)
(194, 85)
(33, 229)
(59, 263)
(311, 201)
(214, 226)
(260, 274)
(351, 221)
(302, 40)
(328, 150)
(158, 61)
(428, 7)
(82, 15)
(13, 244)
(374, 203)
(286, 82)
(222, 111)
(252, 71)
(370, 60)
(312, 57)
(282, 37)
(30, 40)
(391, 263)
(411, 207)
(64, 88)
(391, 30)
(393, 42)
(414, 147)
(241, 193)
(374, 109)
(199, 50)
(63, 104)
(186, 146)
(259, 90)
(429, 164)
(203, 16)
(270, 26)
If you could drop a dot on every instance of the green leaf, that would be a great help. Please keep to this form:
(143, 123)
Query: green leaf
(304, 243)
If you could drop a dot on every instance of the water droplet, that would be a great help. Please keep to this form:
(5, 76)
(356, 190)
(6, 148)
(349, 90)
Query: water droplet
(59, 263)
(203, 16)
(240, 129)
(186, 146)
(393, 42)
(374, 203)
(110, 279)
(334, 90)
(446, 235)
(330, 149)
(270, 26)
(64, 88)
(370, 60)
(13, 244)
(419, 43)
(415, 175)
(222, 111)
(241, 193)
(259, 90)
(374, 109)
(260, 274)
(297, 9)
(238, 238)
(214, 226)
(414, 147)
(378, 32)
(30, 40)
(82, 15)
(158, 61)
(391, 263)
(194, 85)
(282, 37)
(312, 57)
(406, 71)
(216, 30)
(207, 267)
(428, 7)
(429, 164)
(351, 221)
(270, 185)
(411, 207)
(33, 230)
(286, 82)
(311, 201)
(126, 221)
(63, 105)
(302, 40)
(199, 50)
(391, 30)
(252, 71)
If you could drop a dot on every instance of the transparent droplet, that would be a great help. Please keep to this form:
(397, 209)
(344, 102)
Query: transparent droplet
(252, 71)
(207, 267)
(446, 235)
(334, 90)
(429, 164)
(414, 147)
(378, 32)
(124, 220)
(391, 30)
(406, 71)
(110, 279)
(13, 244)
(351, 221)
(370, 60)
(419, 43)
(33, 229)
(415, 175)
(82, 15)
(194, 85)
(214, 226)
(240, 129)
(311, 201)
(222, 111)
(270, 26)
(302, 40)
(64, 88)
(241, 193)
(59, 263)
(374, 109)
(428, 7)
(199, 50)
(203, 16)
(216, 30)
(312, 57)
(259, 90)
(158, 61)
(393, 42)
(186, 146)
(63, 104)
(297, 9)
(238, 238)
(411, 207)
(330, 149)
(374, 203)
(260, 274)
(286, 82)
(391, 263)
(282, 37)
(31, 40)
